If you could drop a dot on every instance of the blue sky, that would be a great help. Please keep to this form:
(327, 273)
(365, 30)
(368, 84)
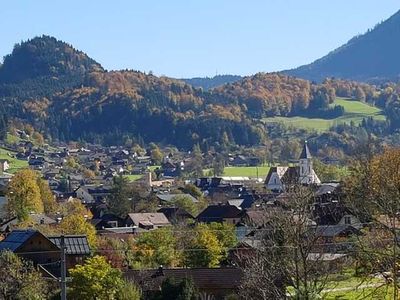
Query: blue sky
(189, 38)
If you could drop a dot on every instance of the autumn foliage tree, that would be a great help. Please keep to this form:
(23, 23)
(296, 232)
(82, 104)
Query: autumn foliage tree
(47, 197)
(19, 279)
(77, 224)
(374, 195)
(96, 279)
(24, 195)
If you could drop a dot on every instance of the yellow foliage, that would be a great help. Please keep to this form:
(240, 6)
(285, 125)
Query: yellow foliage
(24, 195)
(76, 224)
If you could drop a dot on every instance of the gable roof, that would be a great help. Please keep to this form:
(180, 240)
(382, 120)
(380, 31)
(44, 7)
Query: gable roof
(335, 230)
(216, 213)
(225, 278)
(75, 244)
(280, 171)
(170, 197)
(149, 218)
(16, 239)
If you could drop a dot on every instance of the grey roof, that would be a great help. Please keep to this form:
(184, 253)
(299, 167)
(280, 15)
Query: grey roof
(16, 239)
(327, 188)
(170, 197)
(75, 244)
(149, 218)
(305, 153)
(335, 230)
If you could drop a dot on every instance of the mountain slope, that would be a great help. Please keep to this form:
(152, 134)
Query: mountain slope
(68, 96)
(45, 56)
(368, 57)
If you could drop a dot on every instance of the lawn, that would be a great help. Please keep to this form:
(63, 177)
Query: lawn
(243, 171)
(355, 111)
(349, 287)
(136, 177)
(133, 177)
(15, 164)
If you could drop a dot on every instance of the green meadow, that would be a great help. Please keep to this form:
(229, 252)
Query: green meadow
(355, 111)
(15, 164)
(242, 172)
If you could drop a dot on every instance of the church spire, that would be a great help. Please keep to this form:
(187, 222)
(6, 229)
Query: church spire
(305, 153)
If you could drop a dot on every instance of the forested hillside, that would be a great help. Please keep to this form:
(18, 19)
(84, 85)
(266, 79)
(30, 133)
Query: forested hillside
(68, 96)
(372, 56)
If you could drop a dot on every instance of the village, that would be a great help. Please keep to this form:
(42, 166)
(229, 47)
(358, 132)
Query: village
(96, 183)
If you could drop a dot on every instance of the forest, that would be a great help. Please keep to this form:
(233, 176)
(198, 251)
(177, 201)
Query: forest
(66, 95)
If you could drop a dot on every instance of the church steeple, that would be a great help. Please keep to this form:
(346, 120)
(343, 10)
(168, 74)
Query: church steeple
(305, 153)
(305, 164)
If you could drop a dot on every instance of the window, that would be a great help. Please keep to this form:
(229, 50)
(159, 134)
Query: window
(347, 220)
(113, 224)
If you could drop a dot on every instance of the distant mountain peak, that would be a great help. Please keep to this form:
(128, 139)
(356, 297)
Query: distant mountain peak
(45, 56)
(367, 57)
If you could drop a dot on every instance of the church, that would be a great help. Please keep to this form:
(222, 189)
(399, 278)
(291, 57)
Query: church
(303, 173)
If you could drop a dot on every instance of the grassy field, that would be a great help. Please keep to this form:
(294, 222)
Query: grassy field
(15, 164)
(136, 177)
(354, 111)
(133, 177)
(349, 287)
(242, 171)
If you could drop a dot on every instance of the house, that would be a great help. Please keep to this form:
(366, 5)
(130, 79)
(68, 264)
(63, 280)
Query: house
(332, 238)
(4, 165)
(244, 202)
(220, 213)
(92, 193)
(107, 220)
(239, 161)
(147, 221)
(349, 219)
(77, 248)
(218, 283)
(37, 219)
(303, 173)
(45, 251)
(176, 214)
(170, 169)
(5, 179)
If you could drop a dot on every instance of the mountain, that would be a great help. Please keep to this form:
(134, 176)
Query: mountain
(372, 56)
(45, 56)
(211, 82)
(66, 95)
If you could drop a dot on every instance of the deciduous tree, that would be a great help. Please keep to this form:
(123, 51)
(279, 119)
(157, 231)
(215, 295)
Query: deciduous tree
(19, 279)
(96, 279)
(24, 195)
(77, 224)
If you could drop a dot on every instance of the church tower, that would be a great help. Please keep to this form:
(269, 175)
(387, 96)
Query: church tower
(306, 171)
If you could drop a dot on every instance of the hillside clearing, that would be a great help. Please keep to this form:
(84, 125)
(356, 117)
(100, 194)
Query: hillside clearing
(355, 111)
